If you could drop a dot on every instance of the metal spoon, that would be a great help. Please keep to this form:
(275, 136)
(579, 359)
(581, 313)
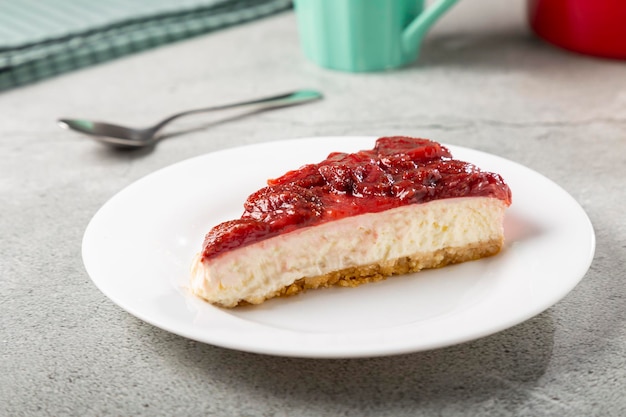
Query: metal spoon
(126, 137)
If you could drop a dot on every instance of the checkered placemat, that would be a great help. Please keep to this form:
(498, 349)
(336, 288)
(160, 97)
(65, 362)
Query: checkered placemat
(40, 39)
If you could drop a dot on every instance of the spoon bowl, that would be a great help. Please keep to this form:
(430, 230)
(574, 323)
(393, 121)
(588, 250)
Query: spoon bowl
(133, 138)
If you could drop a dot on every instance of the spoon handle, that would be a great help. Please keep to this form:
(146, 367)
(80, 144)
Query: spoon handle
(281, 100)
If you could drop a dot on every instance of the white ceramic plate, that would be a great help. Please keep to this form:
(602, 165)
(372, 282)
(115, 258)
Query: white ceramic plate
(139, 245)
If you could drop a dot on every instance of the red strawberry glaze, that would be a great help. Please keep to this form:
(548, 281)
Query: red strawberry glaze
(399, 171)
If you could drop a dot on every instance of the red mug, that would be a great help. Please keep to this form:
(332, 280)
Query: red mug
(593, 27)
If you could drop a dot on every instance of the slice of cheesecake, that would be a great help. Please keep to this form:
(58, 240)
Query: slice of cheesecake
(403, 206)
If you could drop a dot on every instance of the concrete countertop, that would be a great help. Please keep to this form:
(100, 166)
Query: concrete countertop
(483, 82)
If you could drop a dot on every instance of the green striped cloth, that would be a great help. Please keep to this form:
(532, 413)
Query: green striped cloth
(42, 38)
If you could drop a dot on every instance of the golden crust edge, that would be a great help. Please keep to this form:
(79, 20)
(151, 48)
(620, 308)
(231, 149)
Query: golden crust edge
(355, 276)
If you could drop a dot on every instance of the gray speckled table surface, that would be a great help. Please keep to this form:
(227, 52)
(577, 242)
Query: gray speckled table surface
(483, 81)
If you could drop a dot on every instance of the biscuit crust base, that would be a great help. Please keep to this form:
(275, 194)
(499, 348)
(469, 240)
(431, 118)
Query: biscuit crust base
(355, 276)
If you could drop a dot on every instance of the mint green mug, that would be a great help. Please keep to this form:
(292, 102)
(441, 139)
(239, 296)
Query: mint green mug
(365, 35)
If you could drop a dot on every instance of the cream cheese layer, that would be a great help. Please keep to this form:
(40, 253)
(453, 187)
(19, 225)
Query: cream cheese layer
(253, 273)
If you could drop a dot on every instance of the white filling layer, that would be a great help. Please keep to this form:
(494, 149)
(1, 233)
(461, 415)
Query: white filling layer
(255, 271)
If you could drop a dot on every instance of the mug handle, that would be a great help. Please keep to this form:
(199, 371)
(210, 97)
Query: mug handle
(416, 30)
